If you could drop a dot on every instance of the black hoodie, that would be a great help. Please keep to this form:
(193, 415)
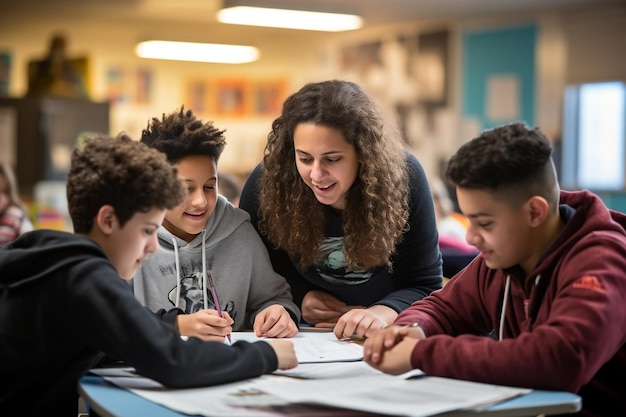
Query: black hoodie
(63, 305)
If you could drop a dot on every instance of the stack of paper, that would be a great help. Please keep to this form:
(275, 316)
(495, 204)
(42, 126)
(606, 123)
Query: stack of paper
(273, 395)
(330, 379)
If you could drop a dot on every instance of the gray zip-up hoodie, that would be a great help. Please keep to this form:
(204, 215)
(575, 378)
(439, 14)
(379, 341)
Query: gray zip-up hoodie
(240, 267)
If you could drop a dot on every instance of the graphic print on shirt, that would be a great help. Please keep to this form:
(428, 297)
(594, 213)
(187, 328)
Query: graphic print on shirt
(191, 293)
(332, 265)
(191, 289)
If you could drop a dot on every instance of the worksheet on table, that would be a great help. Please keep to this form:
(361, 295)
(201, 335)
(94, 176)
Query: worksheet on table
(314, 347)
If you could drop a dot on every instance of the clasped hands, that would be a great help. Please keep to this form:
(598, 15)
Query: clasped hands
(323, 310)
(387, 348)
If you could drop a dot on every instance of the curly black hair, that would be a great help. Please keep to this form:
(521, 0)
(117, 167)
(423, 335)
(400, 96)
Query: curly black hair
(180, 134)
(512, 162)
(120, 172)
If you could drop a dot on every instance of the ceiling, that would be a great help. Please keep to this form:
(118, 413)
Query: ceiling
(101, 23)
(374, 12)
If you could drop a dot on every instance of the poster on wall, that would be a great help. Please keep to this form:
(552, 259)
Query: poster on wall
(268, 96)
(5, 73)
(116, 88)
(428, 64)
(230, 97)
(196, 97)
(235, 97)
(128, 86)
(502, 98)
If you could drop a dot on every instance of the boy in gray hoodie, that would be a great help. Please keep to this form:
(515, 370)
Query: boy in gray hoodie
(208, 235)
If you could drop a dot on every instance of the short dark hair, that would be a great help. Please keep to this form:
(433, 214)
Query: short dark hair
(120, 172)
(180, 134)
(512, 161)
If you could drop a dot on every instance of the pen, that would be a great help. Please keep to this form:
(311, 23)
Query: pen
(216, 300)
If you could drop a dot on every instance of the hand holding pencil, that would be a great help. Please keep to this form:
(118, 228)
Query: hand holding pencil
(205, 324)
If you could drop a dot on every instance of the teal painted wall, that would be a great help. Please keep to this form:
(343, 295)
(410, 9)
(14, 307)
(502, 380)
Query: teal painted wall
(615, 201)
(500, 52)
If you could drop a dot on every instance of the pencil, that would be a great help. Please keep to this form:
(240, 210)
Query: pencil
(216, 300)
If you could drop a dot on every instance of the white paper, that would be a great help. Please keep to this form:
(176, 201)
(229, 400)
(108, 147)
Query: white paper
(503, 98)
(221, 400)
(338, 370)
(381, 394)
(391, 395)
(351, 385)
(315, 347)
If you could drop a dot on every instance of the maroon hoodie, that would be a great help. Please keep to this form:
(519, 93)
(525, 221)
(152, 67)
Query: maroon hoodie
(568, 335)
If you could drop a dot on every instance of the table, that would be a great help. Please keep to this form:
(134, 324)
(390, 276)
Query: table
(109, 400)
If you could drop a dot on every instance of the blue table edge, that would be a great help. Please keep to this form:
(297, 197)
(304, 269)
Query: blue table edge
(120, 402)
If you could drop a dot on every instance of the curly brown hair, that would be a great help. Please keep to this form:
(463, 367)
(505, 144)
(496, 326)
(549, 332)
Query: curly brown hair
(120, 172)
(377, 207)
(180, 134)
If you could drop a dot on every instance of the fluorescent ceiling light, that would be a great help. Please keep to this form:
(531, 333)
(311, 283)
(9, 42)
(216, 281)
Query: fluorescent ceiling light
(198, 52)
(290, 19)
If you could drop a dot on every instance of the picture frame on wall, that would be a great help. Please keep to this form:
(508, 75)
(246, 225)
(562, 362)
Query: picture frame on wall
(231, 97)
(268, 96)
(428, 65)
(5, 73)
(196, 96)
(236, 97)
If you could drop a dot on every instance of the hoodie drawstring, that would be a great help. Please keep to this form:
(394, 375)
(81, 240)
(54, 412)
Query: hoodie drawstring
(504, 303)
(177, 262)
(204, 277)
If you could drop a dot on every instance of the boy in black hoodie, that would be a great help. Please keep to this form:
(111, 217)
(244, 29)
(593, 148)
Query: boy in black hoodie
(63, 304)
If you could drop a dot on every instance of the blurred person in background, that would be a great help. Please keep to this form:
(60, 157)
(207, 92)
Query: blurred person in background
(14, 219)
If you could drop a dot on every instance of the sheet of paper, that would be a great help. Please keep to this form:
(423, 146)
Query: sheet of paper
(390, 395)
(216, 401)
(337, 370)
(315, 347)
(272, 395)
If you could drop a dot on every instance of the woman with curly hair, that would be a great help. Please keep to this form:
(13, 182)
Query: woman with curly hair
(345, 210)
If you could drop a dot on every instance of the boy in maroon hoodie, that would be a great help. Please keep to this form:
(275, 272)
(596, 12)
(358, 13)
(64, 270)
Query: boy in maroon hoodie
(549, 285)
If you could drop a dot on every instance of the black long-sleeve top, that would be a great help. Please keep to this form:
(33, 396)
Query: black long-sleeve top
(63, 306)
(417, 263)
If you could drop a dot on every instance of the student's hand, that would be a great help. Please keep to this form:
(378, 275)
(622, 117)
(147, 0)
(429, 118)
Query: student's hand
(379, 343)
(397, 359)
(274, 321)
(320, 309)
(285, 352)
(364, 321)
(205, 324)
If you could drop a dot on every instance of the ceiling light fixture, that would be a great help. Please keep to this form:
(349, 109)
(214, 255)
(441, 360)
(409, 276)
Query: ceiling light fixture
(289, 19)
(198, 52)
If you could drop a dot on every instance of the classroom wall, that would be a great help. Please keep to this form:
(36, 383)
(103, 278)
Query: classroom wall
(572, 45)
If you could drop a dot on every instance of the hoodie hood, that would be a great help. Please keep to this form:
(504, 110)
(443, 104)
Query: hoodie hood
(583, 212)
(223, 222)
(41, 253)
